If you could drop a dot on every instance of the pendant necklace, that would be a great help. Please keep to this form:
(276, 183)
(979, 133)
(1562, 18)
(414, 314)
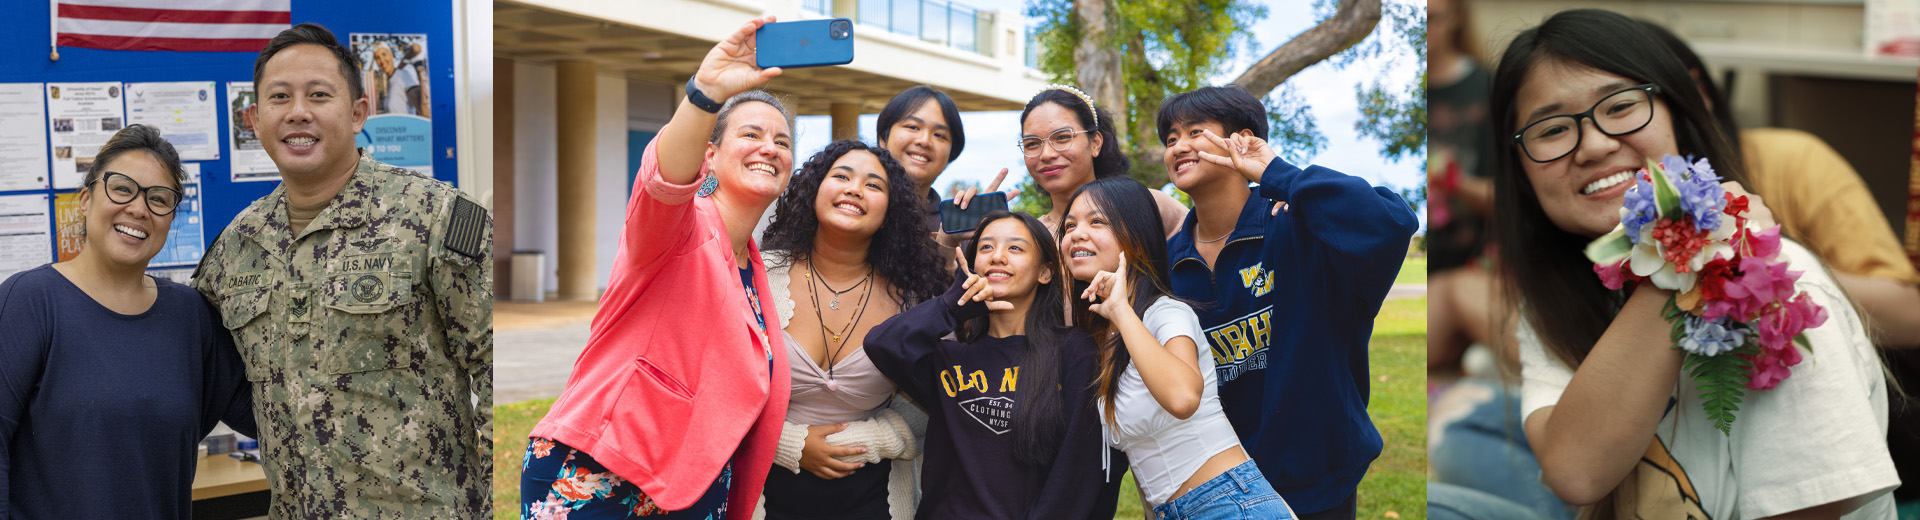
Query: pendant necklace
(835, 303)
(841, 336)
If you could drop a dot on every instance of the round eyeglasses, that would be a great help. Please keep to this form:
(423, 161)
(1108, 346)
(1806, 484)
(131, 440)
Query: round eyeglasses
(1623, 112)
(122, 189)
(1059, 140)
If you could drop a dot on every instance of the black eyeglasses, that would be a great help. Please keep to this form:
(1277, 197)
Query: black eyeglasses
(122, 189)
(1626, 111)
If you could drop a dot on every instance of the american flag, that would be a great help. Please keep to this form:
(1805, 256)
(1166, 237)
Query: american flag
(170, 25)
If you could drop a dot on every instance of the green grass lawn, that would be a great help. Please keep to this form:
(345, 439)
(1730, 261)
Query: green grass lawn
(1395, 487)
(1414, 271)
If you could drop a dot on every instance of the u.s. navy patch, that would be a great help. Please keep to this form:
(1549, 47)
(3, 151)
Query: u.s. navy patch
(467, 228)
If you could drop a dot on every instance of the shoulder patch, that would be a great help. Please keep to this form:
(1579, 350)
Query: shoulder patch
(467, 228)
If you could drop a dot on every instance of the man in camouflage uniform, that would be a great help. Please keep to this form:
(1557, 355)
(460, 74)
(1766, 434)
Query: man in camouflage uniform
(361, 300)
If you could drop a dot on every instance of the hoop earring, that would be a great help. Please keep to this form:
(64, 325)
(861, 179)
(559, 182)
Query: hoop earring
(707, 187)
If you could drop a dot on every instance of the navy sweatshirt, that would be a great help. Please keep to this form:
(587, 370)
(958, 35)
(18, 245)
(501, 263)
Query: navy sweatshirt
(100, 411)
(970, 393)
(1288, 311)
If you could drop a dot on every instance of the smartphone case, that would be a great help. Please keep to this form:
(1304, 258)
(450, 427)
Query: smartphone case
(954, 220)
(807, 43)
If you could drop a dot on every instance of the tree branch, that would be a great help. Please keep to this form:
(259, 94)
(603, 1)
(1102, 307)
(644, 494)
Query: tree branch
(1347, 27)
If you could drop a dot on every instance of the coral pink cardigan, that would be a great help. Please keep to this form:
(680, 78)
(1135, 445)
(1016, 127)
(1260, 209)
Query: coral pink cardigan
(673, 382)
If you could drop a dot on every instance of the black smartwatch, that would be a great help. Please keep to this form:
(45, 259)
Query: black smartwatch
(700, 99)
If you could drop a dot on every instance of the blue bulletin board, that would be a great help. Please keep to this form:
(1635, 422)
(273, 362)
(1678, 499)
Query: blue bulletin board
(24, 58)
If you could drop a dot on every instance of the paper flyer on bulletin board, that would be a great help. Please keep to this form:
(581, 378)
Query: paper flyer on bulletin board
(23, 233)
(66, 224)
(23, 139)
(82, 116)
(400, 131)
(186, 113)
(250, 161)
(186, 240)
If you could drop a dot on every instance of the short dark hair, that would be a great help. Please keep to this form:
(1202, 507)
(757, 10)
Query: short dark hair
(1111, 161)
(1231, 106)
(138, 138)
(309, 33)
(910, 100)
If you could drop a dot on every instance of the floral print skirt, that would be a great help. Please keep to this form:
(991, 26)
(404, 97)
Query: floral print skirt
(561, 483)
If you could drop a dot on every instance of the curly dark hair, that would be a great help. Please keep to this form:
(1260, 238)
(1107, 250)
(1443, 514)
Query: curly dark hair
(901, 251)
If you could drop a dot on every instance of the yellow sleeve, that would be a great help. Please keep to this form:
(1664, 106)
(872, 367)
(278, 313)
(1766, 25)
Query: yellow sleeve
(1822, 202)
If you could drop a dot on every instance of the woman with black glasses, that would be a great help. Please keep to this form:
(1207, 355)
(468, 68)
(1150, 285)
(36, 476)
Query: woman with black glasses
(108, 376)
(1583, 102)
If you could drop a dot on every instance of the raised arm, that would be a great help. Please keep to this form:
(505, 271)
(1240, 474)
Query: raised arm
(1606, 417)
(728, 69)
(1170, 368)
(1360, 221)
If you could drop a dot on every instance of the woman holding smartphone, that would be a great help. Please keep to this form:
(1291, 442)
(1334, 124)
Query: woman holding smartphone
(1156, 390)
(109, 376)
(674, 407)
(1011, 431)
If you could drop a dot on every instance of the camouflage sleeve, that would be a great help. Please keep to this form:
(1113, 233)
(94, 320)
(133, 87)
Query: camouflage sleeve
(462, 280)
(207, 270)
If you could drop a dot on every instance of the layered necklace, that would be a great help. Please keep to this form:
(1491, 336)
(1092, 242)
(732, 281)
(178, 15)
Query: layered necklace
(842, 335)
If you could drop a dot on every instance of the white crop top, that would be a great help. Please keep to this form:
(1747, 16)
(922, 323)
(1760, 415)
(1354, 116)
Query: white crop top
(1166, 451)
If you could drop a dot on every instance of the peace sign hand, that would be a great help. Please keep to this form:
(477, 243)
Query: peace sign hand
(1245, 153)
(977, 289)
(1111, 285)
(730, 67)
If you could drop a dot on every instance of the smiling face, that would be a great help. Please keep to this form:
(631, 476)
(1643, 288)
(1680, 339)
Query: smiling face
(127, 235)
(754, 157)
(923, 142)
(1182, 157)
(853, 197)
(1060, 171)
(307, 115)
(1010, 259)
(1088, 240)
(1583, 191)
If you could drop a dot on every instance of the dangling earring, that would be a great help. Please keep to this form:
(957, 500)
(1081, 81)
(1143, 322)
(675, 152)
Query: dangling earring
(707, 187)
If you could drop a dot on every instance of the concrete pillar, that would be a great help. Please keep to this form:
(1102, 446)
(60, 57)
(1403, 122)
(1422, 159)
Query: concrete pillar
(502, 177)
(578, 152)
(846, 120)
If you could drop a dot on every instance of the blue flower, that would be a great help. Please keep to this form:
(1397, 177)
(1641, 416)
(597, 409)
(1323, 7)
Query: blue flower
(1699, 188)
(1640, 209)
(1712, 337)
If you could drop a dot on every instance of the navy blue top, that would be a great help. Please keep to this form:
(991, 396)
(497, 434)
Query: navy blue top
(970, 392)
(100, 411)
(1288, 311)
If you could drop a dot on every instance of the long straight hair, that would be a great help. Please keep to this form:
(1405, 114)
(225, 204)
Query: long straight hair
(1142, 237)
(1039, 420)
(1549, 274)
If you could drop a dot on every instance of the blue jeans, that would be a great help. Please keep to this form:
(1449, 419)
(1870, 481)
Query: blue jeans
(1241, 492)
(1451, 502)
(1487, 451)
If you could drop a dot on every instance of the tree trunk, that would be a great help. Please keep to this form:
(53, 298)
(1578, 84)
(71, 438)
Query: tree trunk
(1349, 25)
(1096, 59)
(1148, 150)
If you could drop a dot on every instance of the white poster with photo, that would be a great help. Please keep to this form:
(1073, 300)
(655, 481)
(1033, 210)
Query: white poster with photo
(186, 113)
(23, 140)
(25, 241)
(186, 240)
(1893, 28)
(82, 116)
(400, 131)
(250, 161)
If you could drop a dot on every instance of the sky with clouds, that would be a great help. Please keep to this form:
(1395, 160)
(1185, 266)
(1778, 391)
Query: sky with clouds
(991, 136)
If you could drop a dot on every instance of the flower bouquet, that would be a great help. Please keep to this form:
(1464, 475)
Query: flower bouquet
(1734, 309)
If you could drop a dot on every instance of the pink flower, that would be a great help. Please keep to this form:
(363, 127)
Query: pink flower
(550, 509)
(1779, 326)
(1760, 282)
(1771, 367)
(1613, 276)
(1764, 244)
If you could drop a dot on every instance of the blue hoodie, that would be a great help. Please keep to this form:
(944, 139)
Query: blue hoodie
(1288, 314)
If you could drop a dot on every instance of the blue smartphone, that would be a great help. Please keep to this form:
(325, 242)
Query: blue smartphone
(811, 43)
